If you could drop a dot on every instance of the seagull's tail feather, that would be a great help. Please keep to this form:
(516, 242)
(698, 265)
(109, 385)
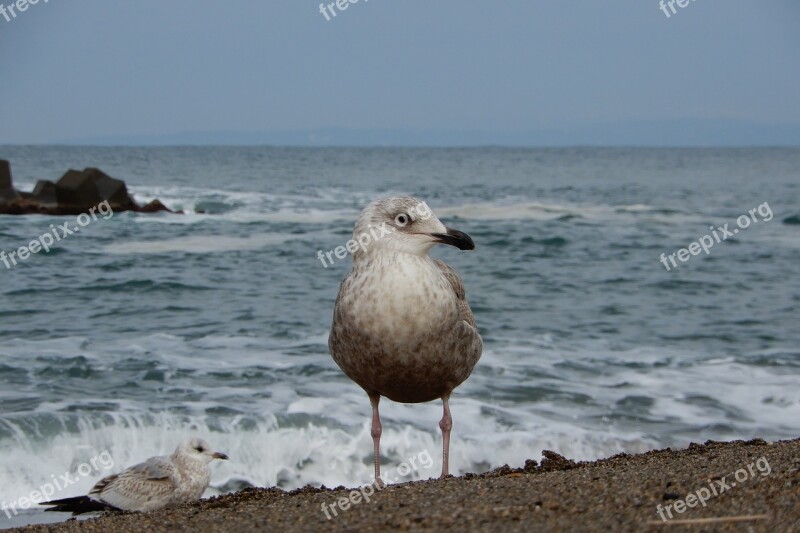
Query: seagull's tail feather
(77, 505)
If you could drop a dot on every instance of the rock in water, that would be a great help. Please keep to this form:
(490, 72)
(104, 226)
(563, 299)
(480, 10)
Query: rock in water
(154, 207)
(75, 193)
(82, 190)
(7, 191)
(45, 194)
(111, 190)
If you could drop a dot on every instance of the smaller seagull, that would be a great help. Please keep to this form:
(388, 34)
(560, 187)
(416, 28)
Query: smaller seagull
(158, 482)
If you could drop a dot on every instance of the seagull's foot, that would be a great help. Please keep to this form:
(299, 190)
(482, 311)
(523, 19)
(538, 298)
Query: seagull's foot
(378, 484)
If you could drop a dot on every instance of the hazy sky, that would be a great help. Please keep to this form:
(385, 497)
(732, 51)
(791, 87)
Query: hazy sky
(92, 68)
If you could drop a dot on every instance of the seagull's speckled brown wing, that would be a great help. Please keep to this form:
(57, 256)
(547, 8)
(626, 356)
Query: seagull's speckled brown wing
(458, 288)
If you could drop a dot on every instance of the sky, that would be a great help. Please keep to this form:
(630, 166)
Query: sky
(510, 71)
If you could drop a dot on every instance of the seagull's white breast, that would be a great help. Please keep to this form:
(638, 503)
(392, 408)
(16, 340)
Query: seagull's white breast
(401, 298)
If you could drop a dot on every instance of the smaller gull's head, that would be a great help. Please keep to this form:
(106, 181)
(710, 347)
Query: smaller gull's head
(403, 224)
(199, 450)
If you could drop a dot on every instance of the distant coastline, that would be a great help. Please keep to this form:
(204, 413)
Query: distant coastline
(648, 133)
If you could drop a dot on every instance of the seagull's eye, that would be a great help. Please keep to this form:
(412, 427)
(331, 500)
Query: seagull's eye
(199, 449)
(402, 219)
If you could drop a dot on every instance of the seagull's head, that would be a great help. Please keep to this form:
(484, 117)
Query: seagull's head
(199, 450)
(403, 224)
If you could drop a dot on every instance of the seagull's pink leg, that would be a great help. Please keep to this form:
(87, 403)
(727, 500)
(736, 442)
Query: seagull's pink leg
(376, 437)
(446, 424)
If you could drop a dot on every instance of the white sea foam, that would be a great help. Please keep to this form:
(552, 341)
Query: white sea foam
(266, 454)
(336, 205)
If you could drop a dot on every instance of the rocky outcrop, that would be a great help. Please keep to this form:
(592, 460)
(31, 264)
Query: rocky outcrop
(7, 191)
(75, 193)
(45, 193)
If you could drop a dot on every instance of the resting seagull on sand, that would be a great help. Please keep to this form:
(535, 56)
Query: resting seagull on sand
(402, 327)
(154, 484)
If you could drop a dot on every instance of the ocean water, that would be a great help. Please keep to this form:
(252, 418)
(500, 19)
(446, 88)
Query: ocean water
(141, 330)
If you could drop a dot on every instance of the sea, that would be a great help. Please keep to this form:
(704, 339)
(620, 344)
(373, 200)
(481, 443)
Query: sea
(140, 330)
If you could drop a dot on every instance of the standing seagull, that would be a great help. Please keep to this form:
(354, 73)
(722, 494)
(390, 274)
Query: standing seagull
(154, 484)
(402, 327)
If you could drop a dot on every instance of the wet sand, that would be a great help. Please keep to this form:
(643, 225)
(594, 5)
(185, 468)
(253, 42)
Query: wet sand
(751, 486)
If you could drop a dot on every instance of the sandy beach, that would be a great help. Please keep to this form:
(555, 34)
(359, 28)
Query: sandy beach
(734, 486)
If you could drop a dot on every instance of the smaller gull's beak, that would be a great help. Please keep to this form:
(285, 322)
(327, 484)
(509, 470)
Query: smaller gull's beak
(219, 455)
(456, 238)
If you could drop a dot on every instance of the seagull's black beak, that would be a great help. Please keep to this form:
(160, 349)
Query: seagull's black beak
(219, 455)
(456, 238)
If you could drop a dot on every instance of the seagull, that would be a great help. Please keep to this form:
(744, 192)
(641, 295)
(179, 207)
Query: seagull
(402, 327)
(154, 484)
